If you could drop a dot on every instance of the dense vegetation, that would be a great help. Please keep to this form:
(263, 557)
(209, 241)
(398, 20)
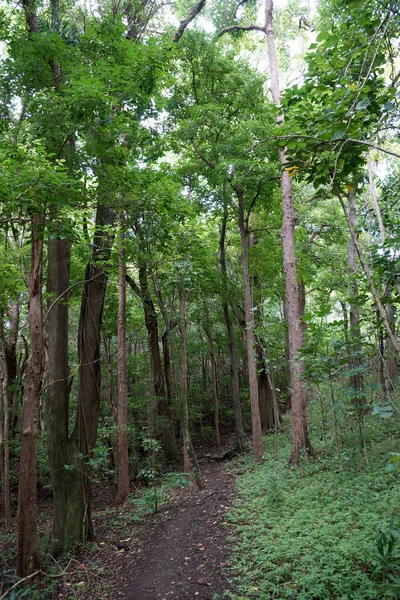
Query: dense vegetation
(200, 239)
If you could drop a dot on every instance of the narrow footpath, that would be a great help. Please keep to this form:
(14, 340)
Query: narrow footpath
(182, 552)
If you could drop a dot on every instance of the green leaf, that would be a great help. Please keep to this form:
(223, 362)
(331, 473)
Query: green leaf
(363, 104)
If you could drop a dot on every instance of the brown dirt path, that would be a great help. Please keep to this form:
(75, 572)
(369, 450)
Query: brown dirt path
(181, 553)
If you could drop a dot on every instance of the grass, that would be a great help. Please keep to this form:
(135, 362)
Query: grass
(326, 530)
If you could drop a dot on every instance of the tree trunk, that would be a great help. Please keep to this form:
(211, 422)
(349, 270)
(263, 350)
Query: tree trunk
(78, 523)
(233, 354)
(354, 333)
(214, 382)
(57, 401)
(168, 440)
(189, 457)
(391, 355)
(27, 553)
(258, 450)
(122, 441)
(4, 435)
(301, 442)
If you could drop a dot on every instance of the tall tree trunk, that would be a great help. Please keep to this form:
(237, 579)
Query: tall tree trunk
(157, 378)
(258, 449)
(78, 523)
(266, 408)
(13, 374)
(122, 441)
(301, 442)
(234, 377)
(4, 433)
(391, 355)
(27, 553)
(189, 457)
(354, 333)
(57, 401)
(233, 354)
(214, 382)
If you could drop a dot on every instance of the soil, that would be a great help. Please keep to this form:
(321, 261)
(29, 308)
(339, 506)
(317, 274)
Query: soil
(181, 553)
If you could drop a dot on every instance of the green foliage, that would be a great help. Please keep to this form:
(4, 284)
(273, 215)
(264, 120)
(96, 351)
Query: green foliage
(316, 532)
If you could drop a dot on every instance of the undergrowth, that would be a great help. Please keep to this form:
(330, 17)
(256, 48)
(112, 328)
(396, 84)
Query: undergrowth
(328, 529)
(88, 572)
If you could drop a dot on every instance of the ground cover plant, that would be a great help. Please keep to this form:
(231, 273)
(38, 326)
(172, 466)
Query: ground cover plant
(329, 529)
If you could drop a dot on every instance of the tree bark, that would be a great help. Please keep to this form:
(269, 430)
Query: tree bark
(354, 332)
(233, 354)
(78, 523)
(4, 434)
(391, 357)
(168, 440)
(122, 440)
(10, 351)
(57, 401)
(301, 442)
(189, 457)
(258, 449)
(214, 382)
(27, 550)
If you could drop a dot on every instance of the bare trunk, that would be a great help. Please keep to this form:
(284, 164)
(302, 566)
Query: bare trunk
(79, 527)
(234, 360)
(391, 356)
(213, 373)
(300, 437)
(367, 272)
(57, 401)
(157, 377)
(122, 441)
(189, 457)
(258, 450)
(28, 556)
(354, 333)
(4, 436)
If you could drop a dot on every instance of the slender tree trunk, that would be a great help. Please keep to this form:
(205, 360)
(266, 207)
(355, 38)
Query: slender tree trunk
(258, 449)
(354, 333)
(166, 336)
(214, 382)
(189, 457)
(27, 553)
(233, 354)
(301, 442)
(4, 435)
(157, 378)
(122, 442)
(57, 401)
(367, 272)
(392, 359)
(13, 371)
(78, 527)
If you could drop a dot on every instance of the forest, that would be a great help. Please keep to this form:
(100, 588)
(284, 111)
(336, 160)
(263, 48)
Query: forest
(199, 299)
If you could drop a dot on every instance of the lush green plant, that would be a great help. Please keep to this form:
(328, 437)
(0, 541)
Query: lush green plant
(316, 531)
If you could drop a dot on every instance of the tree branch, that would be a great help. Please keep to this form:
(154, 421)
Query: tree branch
(367, 273)
(134, 286)
(194, 11)
(240, 28)
(204, 158)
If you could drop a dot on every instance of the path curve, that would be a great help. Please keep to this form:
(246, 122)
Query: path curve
(183, 551)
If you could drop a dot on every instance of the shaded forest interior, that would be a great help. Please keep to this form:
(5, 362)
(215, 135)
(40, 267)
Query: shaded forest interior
(200, 258)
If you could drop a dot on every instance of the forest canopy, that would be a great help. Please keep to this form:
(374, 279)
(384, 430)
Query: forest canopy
(199, 240)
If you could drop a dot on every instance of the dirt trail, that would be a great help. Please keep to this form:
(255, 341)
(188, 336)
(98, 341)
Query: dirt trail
(181, 553)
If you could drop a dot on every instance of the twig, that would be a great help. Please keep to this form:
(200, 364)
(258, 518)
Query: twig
(18, 583)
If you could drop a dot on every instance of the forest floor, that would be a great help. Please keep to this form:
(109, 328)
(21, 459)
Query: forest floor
(181, 552)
